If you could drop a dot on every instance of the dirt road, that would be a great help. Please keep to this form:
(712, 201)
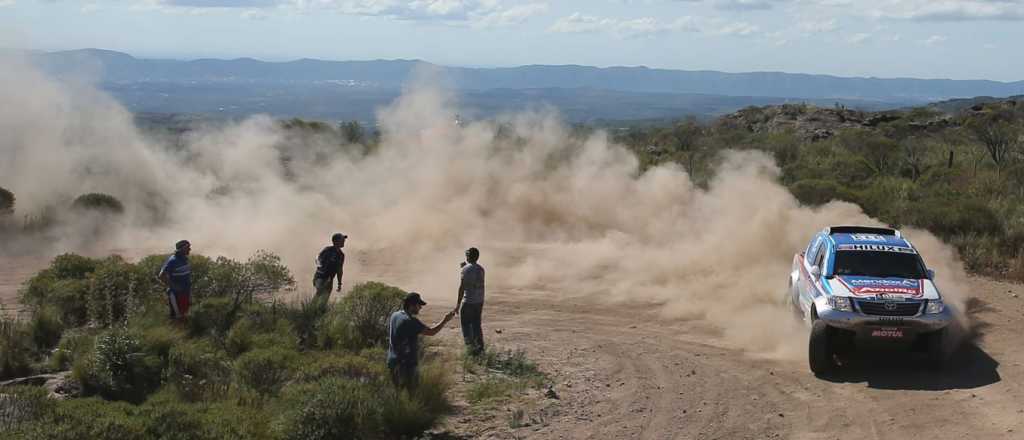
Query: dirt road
(622, 371)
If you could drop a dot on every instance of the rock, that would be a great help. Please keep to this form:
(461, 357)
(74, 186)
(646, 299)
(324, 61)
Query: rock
(551, 394)
(497, 330)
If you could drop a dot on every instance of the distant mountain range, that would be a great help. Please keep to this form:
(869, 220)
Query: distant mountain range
(351, 89)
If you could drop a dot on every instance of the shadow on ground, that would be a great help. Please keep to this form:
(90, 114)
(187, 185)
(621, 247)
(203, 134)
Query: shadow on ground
(969, 367)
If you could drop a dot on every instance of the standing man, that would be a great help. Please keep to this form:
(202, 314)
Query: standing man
(404, 329)
(176, 274)
(328, 265)
(471, 298)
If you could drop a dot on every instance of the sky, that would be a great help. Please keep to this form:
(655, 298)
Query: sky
(958, 39)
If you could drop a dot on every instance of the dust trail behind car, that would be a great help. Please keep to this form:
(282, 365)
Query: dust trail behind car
(593, 225)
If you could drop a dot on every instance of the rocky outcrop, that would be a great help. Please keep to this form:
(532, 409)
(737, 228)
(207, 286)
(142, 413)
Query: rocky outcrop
(817, 124)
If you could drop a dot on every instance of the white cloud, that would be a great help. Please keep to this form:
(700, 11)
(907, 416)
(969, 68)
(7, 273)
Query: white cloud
(477, 13)
(7, 3)
(746, 5)
(739, 28)
(934, 40)
(819, 26)
(645, 26)
(948, 10)
(858, 38)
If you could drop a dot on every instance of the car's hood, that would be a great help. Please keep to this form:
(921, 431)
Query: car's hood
(863, 287)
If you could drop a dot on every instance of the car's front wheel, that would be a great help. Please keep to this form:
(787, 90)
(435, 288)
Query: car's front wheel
(939, 349)
(820, 351)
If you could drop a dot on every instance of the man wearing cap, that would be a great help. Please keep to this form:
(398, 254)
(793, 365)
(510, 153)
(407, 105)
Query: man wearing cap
(404, 329)
(329, 264)
(471, 300)
(176, 274)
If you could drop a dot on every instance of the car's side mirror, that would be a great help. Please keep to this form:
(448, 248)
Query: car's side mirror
(815, 271)
(931, 274)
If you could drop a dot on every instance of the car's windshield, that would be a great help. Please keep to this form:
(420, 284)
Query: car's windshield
(879, 264)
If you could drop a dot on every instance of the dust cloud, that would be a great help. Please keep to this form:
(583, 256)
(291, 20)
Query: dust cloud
(551, 212)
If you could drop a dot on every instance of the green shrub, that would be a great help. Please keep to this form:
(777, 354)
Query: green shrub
(310, 320)
(198, 370)
(249, 333)
(348, 366)
(814, 192)
(112, 296)
(98, 202)
(6, 202)
(88, 418)
(23, 405)
(265, 370)
(15, 350)
(45, 328)
(947, 218)
(334, 408)
(367, 307)
(65, 286)
(212, 316)
(74, 344)
(120, 369)
(494, 388)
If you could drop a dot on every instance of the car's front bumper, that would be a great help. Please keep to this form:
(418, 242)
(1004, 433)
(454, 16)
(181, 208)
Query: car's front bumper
(860, 323)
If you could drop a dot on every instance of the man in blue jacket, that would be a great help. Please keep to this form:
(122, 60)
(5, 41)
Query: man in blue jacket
(176, 274)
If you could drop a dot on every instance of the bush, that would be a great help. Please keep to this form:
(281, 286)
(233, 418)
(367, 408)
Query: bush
(45, 328)
(814, 192)
(249, 333)
(64, 286)
(112, 296)
(15, 352)
(265, 370)
(367, 308)
(947, 218)
(212, 316)
(98, 202)
(119, 368)
(334, 408)
(357, 368)
(90, 418)
(74, 344)
(22, 405)
(198, 370)
(6, 202)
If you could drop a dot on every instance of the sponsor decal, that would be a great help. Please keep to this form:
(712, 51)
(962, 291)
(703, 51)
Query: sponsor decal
(876, 248)
(868, 237)
(887, 332)
(884, 288)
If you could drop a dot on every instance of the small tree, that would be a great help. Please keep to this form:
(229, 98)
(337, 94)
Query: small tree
(6, 202)
(98, 202)
(352, 132)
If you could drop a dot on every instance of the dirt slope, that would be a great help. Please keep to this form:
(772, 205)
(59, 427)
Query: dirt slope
(622, 371)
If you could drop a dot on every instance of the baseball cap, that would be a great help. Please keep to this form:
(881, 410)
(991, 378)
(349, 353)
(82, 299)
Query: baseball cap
(413, 297)
(338, 236)
(181, 245)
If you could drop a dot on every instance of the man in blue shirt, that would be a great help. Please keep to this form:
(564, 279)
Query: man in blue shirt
(404, 329)
(176, 274)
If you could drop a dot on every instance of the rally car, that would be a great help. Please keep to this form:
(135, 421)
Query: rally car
(857, 286)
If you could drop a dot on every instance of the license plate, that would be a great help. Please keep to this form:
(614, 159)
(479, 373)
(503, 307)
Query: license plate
(887, 333)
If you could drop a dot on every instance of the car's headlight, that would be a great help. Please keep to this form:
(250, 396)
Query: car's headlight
(840, 303)
(934, 306)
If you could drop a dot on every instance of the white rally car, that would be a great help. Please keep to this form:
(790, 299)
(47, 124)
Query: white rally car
(857, 285)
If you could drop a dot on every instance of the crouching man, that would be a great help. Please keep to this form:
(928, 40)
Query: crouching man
(404, 329)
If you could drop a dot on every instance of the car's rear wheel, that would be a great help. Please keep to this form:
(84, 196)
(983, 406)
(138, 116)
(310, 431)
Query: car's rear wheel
(820, 351)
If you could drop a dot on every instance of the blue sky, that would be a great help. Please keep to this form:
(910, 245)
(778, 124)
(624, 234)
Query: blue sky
(958, 39)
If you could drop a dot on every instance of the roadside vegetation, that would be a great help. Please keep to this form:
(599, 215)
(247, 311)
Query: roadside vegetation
(244, 365)
(959, 175)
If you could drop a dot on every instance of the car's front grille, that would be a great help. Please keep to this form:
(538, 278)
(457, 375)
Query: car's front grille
(889, 308)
